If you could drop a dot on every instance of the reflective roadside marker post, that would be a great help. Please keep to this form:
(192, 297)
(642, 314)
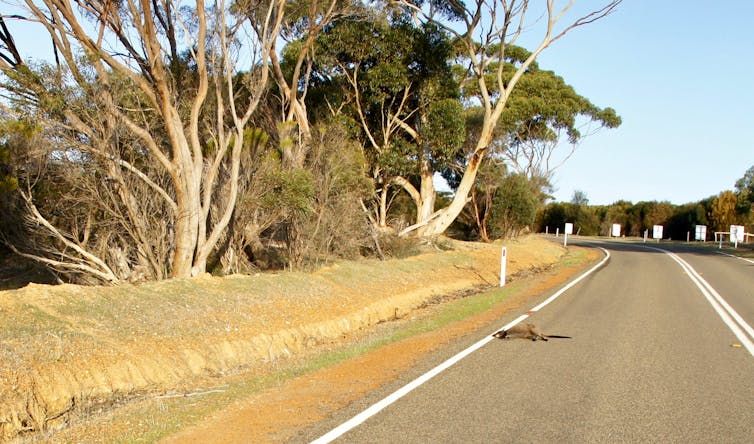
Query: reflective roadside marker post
(503, 259)
(568, 230)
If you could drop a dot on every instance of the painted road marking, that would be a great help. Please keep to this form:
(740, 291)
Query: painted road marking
(403, 391)
(737, 257)
(732, 319)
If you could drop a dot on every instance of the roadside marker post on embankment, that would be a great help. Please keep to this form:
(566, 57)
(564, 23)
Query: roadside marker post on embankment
(503, 260)
(568, 230)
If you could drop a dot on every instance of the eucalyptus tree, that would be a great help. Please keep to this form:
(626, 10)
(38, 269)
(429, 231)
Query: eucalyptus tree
(478, 212)
(302, 22)
(745, 185)
(396, 85)
(485, 31)
(745, 193)
(146, 91)
(579, 198)
(542, 113)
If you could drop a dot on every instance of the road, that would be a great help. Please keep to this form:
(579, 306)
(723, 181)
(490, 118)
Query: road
(650, 361)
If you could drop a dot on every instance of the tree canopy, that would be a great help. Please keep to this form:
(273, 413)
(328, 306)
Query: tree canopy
(168, 140)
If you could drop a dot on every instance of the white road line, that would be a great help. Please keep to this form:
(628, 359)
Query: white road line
(732, 319)
(403, 391)
(737, 257)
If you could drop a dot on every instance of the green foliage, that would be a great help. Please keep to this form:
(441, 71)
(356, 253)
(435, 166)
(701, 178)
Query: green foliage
(745, 195)
(514, 207)
(15, 137)
(402, 71)
(542, 111)
(342, 162)
(292, 190)
(399, 159)
(445, 130)
(745, 185)
(453, 10)
(7, 181)
(254, 138)
(336, 225)
(501, 204)
(555, 215)
(542, 104)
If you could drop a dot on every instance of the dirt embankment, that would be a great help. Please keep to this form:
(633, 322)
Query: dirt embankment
(65, 350)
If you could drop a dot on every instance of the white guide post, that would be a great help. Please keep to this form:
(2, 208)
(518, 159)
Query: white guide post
(568, 230)
(503, 259)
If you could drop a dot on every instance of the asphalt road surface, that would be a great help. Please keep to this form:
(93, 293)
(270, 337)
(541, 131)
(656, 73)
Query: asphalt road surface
(651, 360)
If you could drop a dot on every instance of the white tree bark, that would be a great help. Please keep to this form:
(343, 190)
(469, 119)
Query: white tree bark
(132, 41)
(494, 24)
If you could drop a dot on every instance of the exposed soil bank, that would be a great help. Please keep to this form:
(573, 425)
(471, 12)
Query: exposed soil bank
(67, 349)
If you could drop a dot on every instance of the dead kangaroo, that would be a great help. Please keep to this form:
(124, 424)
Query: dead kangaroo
(525, 331)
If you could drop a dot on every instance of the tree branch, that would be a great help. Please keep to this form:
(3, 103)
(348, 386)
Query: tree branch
(92, 264)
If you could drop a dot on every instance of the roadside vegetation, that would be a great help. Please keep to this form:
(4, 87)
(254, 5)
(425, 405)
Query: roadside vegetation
(165, 140)
(717, 213)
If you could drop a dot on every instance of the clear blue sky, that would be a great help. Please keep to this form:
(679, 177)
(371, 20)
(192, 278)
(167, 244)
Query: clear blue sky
(681, 75)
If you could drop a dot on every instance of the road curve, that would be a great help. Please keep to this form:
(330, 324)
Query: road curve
(650, 361)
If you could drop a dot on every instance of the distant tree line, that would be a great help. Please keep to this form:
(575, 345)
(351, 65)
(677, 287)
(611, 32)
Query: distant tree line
(718, 213)
(170, 139)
